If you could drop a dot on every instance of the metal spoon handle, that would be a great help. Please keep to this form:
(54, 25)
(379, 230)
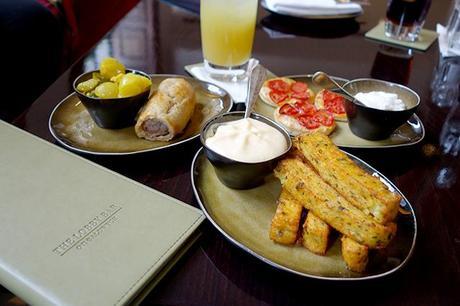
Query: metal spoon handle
(324, 80)
(256, 77)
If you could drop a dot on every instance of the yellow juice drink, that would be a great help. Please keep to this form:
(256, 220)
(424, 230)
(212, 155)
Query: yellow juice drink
(227, 30)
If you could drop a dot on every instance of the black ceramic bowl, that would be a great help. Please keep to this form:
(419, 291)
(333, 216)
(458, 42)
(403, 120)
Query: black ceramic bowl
(236, 174)
(374, 124)
(114, 113)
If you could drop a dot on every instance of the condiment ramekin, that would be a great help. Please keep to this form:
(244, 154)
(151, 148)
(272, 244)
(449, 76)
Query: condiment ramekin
(376, 124)
(112, 113)
(237, 174)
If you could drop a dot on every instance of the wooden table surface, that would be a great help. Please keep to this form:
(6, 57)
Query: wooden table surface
(157, 37)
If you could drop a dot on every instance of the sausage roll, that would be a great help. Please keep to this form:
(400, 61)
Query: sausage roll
(167, 113)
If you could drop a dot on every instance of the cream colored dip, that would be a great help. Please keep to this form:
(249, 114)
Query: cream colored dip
(381, 100)
(247, 140)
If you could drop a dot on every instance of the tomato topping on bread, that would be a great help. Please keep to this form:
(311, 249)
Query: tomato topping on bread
(331, 102)
(278, 91)
(302, 117)
(279, 84)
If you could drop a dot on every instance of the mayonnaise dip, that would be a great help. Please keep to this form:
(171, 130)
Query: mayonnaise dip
(381, 100)
(247, 140)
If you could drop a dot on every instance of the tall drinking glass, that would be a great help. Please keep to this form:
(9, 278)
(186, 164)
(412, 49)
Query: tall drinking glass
(405, 18)
(227, 34)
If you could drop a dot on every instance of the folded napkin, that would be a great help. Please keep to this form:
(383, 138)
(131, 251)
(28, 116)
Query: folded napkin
(312, 7)
(237, 90)
(442, 38)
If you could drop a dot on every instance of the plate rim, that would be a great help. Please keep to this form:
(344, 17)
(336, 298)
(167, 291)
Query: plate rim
(79, 150)
(314, 17)
(283, 268)
(406, 144)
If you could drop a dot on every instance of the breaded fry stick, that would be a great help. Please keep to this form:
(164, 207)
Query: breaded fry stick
(285, 223)
(362, 190)
(305, 185)
(315, 234)
(354, 254)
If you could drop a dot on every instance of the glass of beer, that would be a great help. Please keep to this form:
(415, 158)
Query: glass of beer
(405, 18)
(227, 34)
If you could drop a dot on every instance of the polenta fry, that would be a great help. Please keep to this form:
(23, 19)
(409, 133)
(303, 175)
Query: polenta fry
(285, 223)
(354, 254)
(362, 190)
(305, 185)
(315, 234)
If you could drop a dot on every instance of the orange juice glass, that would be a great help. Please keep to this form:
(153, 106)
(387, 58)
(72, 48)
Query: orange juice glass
(227, 34)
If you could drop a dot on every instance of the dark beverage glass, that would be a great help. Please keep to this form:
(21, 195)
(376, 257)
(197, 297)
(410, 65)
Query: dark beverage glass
(405, 18)
(392, 64)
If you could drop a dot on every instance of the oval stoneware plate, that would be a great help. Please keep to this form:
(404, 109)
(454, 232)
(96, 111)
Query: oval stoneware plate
(410, 133)
(244, 217)
(71, 125)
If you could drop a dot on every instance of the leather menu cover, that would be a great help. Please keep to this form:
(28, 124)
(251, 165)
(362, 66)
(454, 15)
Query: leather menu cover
(75, 233)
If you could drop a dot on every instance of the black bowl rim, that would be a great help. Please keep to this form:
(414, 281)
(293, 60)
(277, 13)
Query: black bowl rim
(386, 83)
(74, 84)
(210, 121)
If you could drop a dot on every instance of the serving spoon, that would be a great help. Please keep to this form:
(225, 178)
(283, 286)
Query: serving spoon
(324, 80)
(256, 77)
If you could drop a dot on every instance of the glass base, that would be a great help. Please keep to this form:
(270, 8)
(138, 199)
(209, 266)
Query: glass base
(401, 32)
(226, 74)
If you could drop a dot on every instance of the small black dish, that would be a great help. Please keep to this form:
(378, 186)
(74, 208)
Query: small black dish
(376, 124)
(114, 113)
(236, 174)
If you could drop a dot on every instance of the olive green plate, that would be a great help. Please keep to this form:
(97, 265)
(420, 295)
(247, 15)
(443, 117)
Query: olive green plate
(244, 217)
(410, 133)
(71, 125)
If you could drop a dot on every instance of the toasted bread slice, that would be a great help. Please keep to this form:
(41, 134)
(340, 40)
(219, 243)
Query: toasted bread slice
(295, 128)
(319, 103)
(264, 93)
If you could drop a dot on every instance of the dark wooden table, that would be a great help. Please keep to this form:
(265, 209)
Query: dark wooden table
(161, 38)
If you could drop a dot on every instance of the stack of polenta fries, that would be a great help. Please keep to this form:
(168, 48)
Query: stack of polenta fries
(338, 195)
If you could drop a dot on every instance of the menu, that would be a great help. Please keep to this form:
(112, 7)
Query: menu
(75, 233)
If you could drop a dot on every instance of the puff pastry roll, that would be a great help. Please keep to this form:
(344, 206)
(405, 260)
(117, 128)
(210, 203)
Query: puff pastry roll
(167, 113)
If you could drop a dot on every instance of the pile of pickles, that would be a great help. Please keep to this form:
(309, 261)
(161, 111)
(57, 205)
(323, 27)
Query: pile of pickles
(112, 81)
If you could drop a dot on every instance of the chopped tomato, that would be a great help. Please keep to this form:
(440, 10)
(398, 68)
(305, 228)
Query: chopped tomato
(277, 96)
(309, 122)
(301, 95)
(278, 85)
(288, 109)
(333, 102)
(335, 106)
(324, 117)
(305, 108)
(299, 87)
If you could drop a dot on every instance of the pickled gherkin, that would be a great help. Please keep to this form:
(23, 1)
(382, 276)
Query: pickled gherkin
(107, 90)
(111, 81)
(110, 67)
(132, 84)
(87, 85)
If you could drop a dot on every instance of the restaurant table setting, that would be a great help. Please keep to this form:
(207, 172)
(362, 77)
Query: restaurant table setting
(325, 182)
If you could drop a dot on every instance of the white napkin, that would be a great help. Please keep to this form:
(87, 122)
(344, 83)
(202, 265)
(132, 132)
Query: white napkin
(312, 7)
(442, 38)
(237, 90)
